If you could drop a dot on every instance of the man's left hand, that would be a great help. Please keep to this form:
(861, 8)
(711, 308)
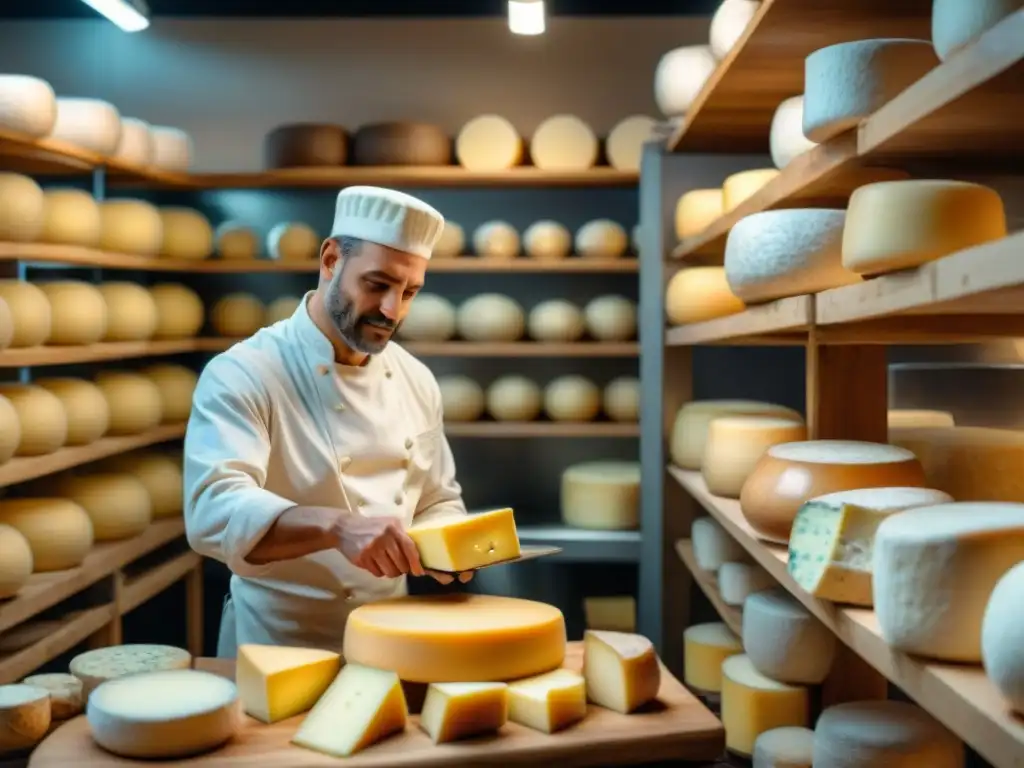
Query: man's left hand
(447, 578)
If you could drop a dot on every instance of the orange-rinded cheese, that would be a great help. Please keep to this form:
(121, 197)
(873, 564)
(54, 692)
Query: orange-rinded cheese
(690, 430)
(696, 294)
(465, 542)
(792, 473)
(753, 704)
(705, 647)
(736, 443)
(456, 638)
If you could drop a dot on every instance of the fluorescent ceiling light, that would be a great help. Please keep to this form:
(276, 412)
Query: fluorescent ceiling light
(526, 17)
(129, 15)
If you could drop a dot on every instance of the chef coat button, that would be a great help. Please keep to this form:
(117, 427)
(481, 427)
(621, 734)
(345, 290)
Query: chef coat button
(323, 370)
(345, 462)
(388, 374)
(350, 595)
(399, 498)
(360, 502)
(339, 407)
(408, 443)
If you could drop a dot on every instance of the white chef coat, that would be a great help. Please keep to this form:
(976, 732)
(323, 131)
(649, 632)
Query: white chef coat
(277, 423)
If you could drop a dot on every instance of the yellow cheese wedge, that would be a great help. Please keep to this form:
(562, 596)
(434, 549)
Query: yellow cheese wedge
(275, 683)
(621, 670)
(457, 710)
(361, 707)
(548, 702)
(705, 647)
(753, 704)
(466, 542)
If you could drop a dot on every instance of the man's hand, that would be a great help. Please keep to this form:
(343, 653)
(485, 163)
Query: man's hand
(379, 545)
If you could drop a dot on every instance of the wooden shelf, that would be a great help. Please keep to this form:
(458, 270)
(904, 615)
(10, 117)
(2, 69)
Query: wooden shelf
(93, 353)
(961, 697)
(779, 322)
(708, 583)
(506, 429)
(522, 349)
(571, 265)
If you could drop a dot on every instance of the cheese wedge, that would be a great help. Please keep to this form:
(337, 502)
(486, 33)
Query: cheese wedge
(466, 542)
(275, 683)
(457, 710)
(621, 670)
(548, 702)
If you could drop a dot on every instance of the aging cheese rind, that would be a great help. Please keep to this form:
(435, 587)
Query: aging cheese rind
(463, 543)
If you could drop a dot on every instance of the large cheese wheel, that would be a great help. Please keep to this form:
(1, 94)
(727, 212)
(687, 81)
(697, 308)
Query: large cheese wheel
(22, 208)
(401, 144)
(15, 560)
(514, 398)
(489, 143)
(847, 82)
(71, 217)
(902, 418)
(773, 254)
(680, 76)
(956, 24)
(237, 315)
(28, 105)
(176, 384)
(78, 312)
(572, 398)
(1002, 637)
(625, 144)
(30, 313)
(729, 23)
(462, 399)
(305, 145)
(739, 186)
(696, 294)
(601, 495)
(899, 224)
(451, 243)
(172, 149)
(496, 239)
(690, 429)
(136, 144)
(601, 239)
(555, 320)
(293, 241)
(87, 412)
(491, 317)
(786, 136)
(187, 234)
(234, 240)
(91, 124)
(24, 716)
(10, 430)
(161, 476)
(705, 647)
(281, 309)
(179, 311)
(610, 318)
(753, 704)
(117, 503)
(131, 226)
(41, 416)
(621, 399)
(697, 210)
(456, 637)
(58, 531)
(134, 401)
(784, 640)
(792, 473)
(431, 317)
(547, 240)
(735, 444)
(564, 143)
(131, 312)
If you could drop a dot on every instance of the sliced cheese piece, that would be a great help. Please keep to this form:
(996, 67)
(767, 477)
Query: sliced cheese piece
(547, 240)
(78, 312)
(514, 398)
(454, 711)
(616, 613)
(58, 531)
(893, 225)
(237, 315)
(697, 294)
(187, 234)
(786, 135)
(91, 124)
(72, 218)
(15, 559)
(753, 704)
(572, 398)
(28, 105)
(131, 312)
(179, 311)
(456, 637)
(24, 716)
(564, 143)
(784, 641)
(690, 429)
(360, 708)
(172, 148)
(87, 411)
(462, 399)
(555, 320)
(792, 473)
(705, 647)
(610, 318)
(42, 420)
(276, 682)
(787, 747)
(893, 734)
(621, 399)
(465, 542)
(680, 76)
(934, 569)
(622, 670)
(601, 239)
(739, 186)
(550, 702)
(431, 317)
(774, 254)
(902, 418)
(601, 495)
(735, 444)
(956, 24)
(712, 546)
(66, 700)
(729, 23)
(136, 144)
(117, 503)
(833, 538)
(738, 580)
(1002, 637)
(496, 240)
(697, 210)
(102, 664)
(489, 143)
(491, 317)
(625, 143)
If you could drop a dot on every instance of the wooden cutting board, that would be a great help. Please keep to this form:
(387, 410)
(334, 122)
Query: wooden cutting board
(676, 727)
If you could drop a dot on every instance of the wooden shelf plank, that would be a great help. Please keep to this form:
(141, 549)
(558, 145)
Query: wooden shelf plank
(754, 326)
(504, 429)
(708, 583)
(92, 353)
(69, 633)
(960, 696)
(522, 349)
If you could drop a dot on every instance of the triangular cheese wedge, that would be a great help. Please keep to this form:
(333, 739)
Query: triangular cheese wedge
(275, 683)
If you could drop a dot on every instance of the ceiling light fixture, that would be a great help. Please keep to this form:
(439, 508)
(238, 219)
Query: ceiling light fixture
(526, 17)
(129, 15)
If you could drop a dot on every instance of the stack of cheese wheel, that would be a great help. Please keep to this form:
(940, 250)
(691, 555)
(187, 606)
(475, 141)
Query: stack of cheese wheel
(281, 309)
(621, 399)
(572, 398)
(401, 144)
(746, 690)
(697, 294)
(31, 320)
(91, 124)
(159, 473)
(547, 240)
(452, 242)
(176, 384)
(717, 552)
(514, 398)
(491, 317)
(680, 76)
(234, 240)
(88, 416)
(705, 647)
(117, 502)
(784, 641)
(690, 429)
(735, 443)
(489, 143)
(179, 311)
(28, 105)
(601, 239)
(696, 210)
(237, 315)
(431, 317)
(462, 399)
(15, 560)
(65, 691)
(136, 145)
(72, 217)
(625, 143)
(22, 208)
(42, 420)
(59, 532)
(187, 234)
(610, 318)
(305, 145)
(601, 495)
(729, 23)
(564, 143)
(956, 25)
(133, 400)
(78, 312)
(738, 187)
(786, 136)
(737, 580)
(131, 226)
(293, 241)
(172, 148)
(131, 312)
(496, 240)
(1002, 637)
(555, 320)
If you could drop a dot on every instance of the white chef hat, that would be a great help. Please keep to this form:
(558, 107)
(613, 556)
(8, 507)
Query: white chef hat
(387, 217)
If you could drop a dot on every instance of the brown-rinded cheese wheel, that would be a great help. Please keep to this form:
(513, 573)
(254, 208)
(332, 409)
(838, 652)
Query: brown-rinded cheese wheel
(401, 144)
(304, 145)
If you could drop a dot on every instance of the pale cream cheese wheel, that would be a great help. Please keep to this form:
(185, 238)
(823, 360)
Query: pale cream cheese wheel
(117, 503)
(136, 144)
(451, 243)
(88, 414)
(690, 428)
(601, 495)
(10, 430)
(133, 399)
(697, 294)
(489, 143)
(514, 398)
(41, 416)
(28, 105)
(564, 143)
(71, 217)
(176, 384)
(237, 315)
(58, 531)
(625, 143)
(496, 240)
(172, 148)
(621, 399)
(187, 234)
(728, 25)
(15, 561)
(159, 473)
(92, 124)
(179, 311)
(22, 208)
(680, 76)
(462, 399)
(741, 186)
(234, 240)
(555, 320)
(572, 398)
(78, 312)
(131, 226)
(431, 317)
(547, 239)
(697, 210)
(610, 318)
(131, 312)
(735, 444)
(601, 239)
(30, 313)
(491, 317)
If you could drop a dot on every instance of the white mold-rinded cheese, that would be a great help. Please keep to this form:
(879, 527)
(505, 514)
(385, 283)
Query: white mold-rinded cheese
(696, 210)
(514, 398)
(934, 569)
(621, 399)
(136, 144)
(293, 241)
(72, 217)
(41, 416)
(28, 105)
(690, 429)
(58, 531)
(729, 23)
(847, 82)
(179, 311)
(117, 503)
(564, 143)
(625, 143)
(601, 495)
(172, 149)
(601, 239)
(680, 76)
(904, 418)
(784, 641)
(25, 716)
(740, 186)
(696, 294)
(738, 580)
(774, 254)
(753, 704)
(705, 647)
(572, 398)
(451, 243)
(237, 315)
(22, 208)
(712, 546)
(235, 240)
(1002, 637)
(462, 399)
(786, 135)
(102, 664)
(489, 143)
(832, 542)
(555, 320)
(431, 317)
(130, 226)
(187, 234)
(787, 747)
(66, 700)
(491, 317)
(892, 225)
(610, 318)
(893, 734)
(91, 124)
(956, 23)
(165, 714)
(496, 240)
(547, 240)
(86, 408)
(15, 560)
(736, 443)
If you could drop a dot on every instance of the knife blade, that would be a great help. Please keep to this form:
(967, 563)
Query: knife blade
(528, 552)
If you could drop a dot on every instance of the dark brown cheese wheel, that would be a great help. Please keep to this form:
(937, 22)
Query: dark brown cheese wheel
(305, 145)
(401, 144)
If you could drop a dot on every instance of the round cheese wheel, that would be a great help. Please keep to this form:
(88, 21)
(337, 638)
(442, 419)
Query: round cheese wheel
(735, 444)
(293, 241)
(10, 430)
(401, 143)
(161, 476)
(28, 105)
(773, 254)
(101, 665)
(491, 317)
(71, 217)
(729, 23)
(697, 210)
(621, 399)
(956, 24)
(696, 294)
(489, 143)
(746, 691)
(237, 315)
(117, 503)
(22, 208)
(462, 399)
(15, 561)
(179, 311)
(847, 82)
(555, 320)
(740, 186)
(281, 309)
(910, 418)
(6, 324)
(136, 144)
(451, 243)
(431, 317)
(784, 641)
(130, 226)
(610, 318)
(713, 547)
(30, 313)
(791, 473)
(900, 224)
(788, 747)
(572, 398)
(496, 239)
(134, 402)
(739, 580)
(234, 240)
(1002, 637)
(172, 149)
(514, 398)
(601, 239)
(706, 646)
(690, 429)
(66, 700)
(176, 384)
(187, 234)
(680, 77)
(78, 312)
(547, 240)
(625, 144)
(41, 416)
(305, 145)
(24, 716)
(601, 495)
(564, 143)
(91, 124)
(786, 135)
(131, 312)
(58, 531)
(87, 412)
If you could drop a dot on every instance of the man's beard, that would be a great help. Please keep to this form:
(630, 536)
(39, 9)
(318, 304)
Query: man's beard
(352, 327)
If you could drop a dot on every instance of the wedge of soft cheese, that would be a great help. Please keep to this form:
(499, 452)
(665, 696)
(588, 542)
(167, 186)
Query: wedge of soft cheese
(276, 683)
(621, 670)
(466, 542)
(548, 702)
(458, 710)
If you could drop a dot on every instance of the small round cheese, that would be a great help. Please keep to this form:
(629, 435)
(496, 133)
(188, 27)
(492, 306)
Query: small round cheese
(564, 143)
(28, 105)
(41, 416)
(735, 444)
(100, 665)
(956, 24)
(134, 401)
(697, 210)
(690, 429)
(491, 317)
(234, 240)
(179, 311)
(705, 647)
(601, 239)
(572, 398)
(753, 704)
(91, 124)
(161, 476)
(78, 312)
(625, 143)
(131, 312)
(15, 561)
(117, 503)
(176, 384)
(847, 82)
(87, 412)
(621, 399)
(489, 143)
(697, 294)
(514, 398)
(680, 77)
(497, 240)
(713, 547)
(31, 316)
(745, 184)
(729, 23)
(462, 399)
(172, 149)
(784, 641)
(601, 495)
(22, 208)
(71, 217)
(792, 473)
(555, 320)
(10, 430)
(24, 716)
(786, 135)
(187, 234)
(293, 241)
(739, 580)
(1002, 637)
(547, 240)
(281, 309)
(790, 747)
(899, 224)
(58, 531)
(136, 144)
(451, 243)
(65, 691)
(909, 418)
(610, 318)
(237, 315)
(431, 317)
(130, 226)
